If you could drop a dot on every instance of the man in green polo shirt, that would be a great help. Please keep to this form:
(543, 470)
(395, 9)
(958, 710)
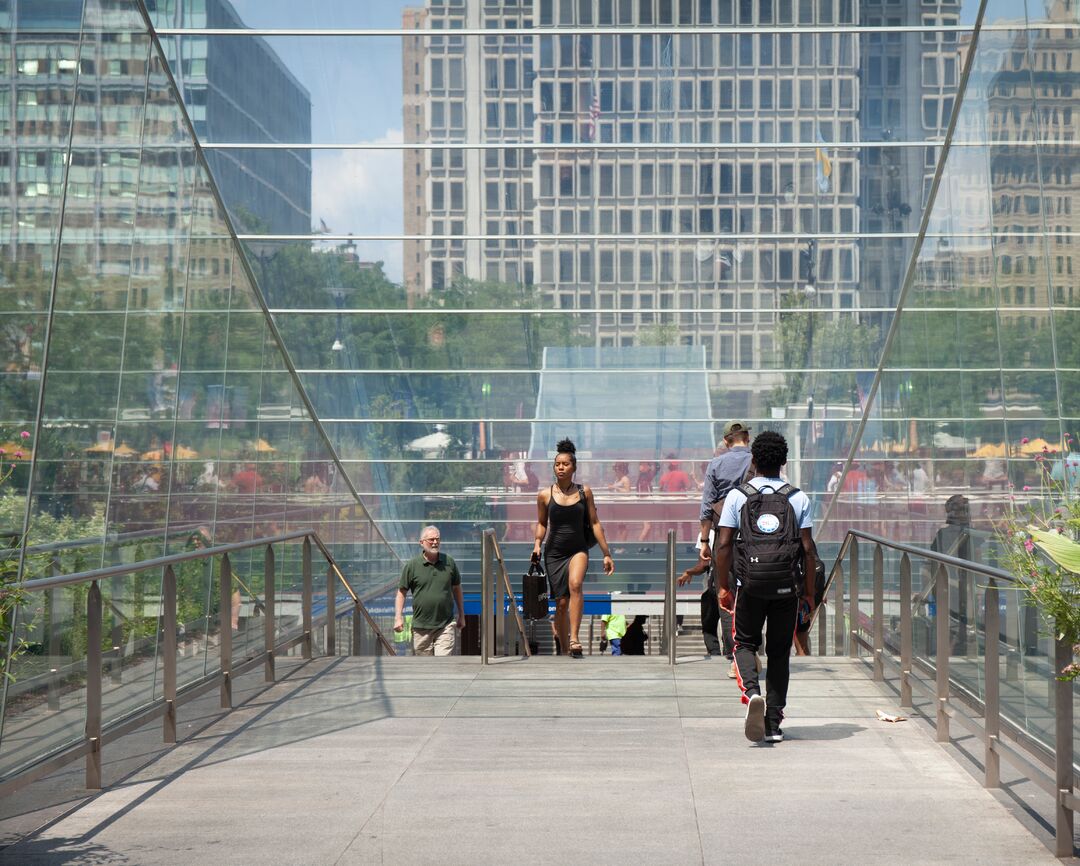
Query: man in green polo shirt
(435, 583)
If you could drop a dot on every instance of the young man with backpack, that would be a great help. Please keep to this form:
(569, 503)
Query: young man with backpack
(765, 528)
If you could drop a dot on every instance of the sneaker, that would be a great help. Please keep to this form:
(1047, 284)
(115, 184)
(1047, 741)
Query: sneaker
(754, 726)
(733, 671)
(773, 734)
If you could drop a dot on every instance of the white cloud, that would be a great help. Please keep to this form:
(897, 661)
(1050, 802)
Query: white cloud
(360, 192)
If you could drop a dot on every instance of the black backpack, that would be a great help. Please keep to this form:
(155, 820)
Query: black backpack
(768, 549)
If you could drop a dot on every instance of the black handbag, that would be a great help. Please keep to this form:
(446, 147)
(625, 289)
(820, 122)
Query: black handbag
(534, 592)
(590, 536)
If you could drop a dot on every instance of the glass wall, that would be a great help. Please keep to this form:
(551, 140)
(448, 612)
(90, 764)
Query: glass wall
(480, 226)
(146, 397)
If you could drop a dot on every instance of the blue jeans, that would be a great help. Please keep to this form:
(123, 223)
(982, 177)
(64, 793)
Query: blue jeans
(616, 646)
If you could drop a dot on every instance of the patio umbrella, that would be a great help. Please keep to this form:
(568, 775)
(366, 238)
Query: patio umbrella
(156, 454)
(101, 447)
(263, 445)
(989, 450)
(124, 450)
(182, 452)
(1037, 446)
(10, 448)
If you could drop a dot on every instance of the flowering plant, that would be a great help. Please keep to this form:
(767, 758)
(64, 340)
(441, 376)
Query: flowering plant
(1041, 540)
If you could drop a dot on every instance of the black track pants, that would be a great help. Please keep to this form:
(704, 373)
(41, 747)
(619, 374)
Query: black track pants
(780, 615)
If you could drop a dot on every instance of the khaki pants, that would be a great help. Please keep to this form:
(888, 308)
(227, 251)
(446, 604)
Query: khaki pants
(434, 641)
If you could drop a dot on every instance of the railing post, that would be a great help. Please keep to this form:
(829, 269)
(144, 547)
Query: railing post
(670, 631)
(879, 614)
(225, 631)
(168, 650)
(905, 631)
(269, 621)
(941, 658)
(306, 599)
(116, 634)
(502, 633)
(1063, 750)
(992, 696)
(1012, 635)
(486, 600)
(93, 686)
(853, 586)
(357, 635)
(331, 612)
(838, 610)
(822, 629)
(53, 596)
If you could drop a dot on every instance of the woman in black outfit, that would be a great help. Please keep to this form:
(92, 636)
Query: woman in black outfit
(561, 512)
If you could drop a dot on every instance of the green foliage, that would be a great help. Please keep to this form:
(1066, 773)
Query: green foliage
(1041, 540)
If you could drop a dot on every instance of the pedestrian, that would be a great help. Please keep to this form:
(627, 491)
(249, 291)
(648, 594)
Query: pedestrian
(435, 583)
(565, 519)
(633, 642)
(776, 564)
(675, 480)
(725, 472)
(614, 630)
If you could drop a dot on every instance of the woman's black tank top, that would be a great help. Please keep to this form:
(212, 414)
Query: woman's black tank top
(566, 525)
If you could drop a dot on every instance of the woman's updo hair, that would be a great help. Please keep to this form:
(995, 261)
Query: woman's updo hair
(565, 446)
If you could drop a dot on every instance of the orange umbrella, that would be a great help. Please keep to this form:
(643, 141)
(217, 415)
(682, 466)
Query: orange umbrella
(101, 447)
(10, 448)
(263, 445)
(990, 450)
(156, 454)
(1036, 446)
(182, 452)
(124, 450)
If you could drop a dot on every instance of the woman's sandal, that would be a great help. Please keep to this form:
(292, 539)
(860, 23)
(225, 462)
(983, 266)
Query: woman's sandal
(575, 650)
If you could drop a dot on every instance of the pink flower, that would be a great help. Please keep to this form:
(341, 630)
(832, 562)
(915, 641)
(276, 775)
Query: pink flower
(1024, 441)
(18, 454)
(1026, 487)
(2, 452)
(1028, 545)
(25, 434)
(1039, 459)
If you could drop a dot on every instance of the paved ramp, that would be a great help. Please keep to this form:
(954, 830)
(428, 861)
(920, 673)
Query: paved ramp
(600, 761)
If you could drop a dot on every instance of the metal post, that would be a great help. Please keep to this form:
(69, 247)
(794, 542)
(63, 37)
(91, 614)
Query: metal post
(168, 650)
(669, 599)
(1012, 635)
(992, 697)
(306, 600)
(502, 636)
(116, 634)
(53, 597)
(225, 630)
(486, 602)
(357, 630)
(941, 659)
(822, 629)
(269, 622)
(592, 621)
(1063, 750)
(853, 584)
(879, 614)
(838, 610)
(905, 632)
(93, 686)
(331, 612)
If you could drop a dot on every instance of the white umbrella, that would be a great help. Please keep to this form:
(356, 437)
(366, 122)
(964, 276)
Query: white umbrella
(437, 441)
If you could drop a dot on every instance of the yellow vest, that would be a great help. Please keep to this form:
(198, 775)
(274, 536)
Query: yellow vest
(616, 625)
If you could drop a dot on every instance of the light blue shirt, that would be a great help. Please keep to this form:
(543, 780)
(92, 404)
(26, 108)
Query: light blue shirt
(733, 504)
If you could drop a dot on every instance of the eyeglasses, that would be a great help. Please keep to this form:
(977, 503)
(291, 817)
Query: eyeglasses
(429, 541)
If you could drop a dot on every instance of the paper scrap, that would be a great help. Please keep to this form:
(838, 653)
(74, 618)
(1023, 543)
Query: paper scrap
(889, 717)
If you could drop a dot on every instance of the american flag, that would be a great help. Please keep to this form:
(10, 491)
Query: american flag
(594, 112)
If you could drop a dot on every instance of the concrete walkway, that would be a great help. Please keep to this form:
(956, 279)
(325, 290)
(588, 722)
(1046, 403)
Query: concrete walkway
(602, 761)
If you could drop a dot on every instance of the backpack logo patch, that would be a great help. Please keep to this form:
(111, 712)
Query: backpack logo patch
(768, 523)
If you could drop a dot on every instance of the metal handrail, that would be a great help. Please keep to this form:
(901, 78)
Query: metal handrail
(1055, 775)
(492, 625)
(97, 733)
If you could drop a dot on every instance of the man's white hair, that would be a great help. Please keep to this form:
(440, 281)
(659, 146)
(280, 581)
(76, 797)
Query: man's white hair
(427, 529)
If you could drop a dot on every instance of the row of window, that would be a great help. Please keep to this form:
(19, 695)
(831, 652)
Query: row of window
(671, 53)
(637, 178)
(652, 12)
(702, 94)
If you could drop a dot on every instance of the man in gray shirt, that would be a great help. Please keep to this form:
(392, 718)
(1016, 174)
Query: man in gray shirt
(724, 473)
